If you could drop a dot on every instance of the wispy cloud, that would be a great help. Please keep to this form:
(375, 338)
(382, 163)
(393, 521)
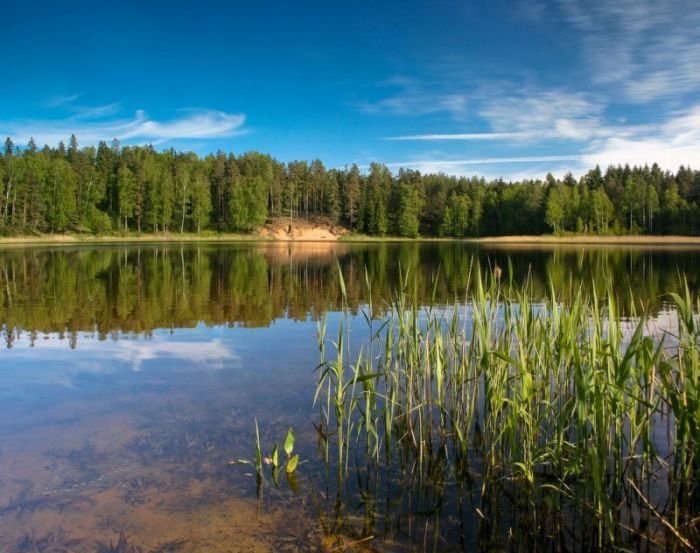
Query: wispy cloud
(67, 104)
(671, 142)
(544, 114)
(492, 167)
(529, 114)
(416, 103)
(648, 49)
(196, 124)
(408, 97)
(94, 112)
(461, 136)
(485, 161)
(59, 101)
(90, 128)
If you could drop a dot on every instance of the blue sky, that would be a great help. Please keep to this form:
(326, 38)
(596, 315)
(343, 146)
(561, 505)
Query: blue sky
(513, 89)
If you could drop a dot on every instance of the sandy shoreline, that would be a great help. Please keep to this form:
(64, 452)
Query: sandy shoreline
(666, 240)
(548, 241)
(77, 239)
(316, 234)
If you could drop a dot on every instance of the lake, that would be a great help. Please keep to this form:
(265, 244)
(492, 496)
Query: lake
(131, 376)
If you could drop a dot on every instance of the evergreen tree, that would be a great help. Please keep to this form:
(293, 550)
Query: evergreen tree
(126, 184)
(60, 195)
(351, 196)
(135, 188)
(201, 202)
(408, 211)
(248, 204)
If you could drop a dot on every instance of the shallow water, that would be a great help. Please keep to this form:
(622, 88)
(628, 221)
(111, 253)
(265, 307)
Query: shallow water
(132, 375)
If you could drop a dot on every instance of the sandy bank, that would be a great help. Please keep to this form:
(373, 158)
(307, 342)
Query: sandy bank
(303, 231)
(654, 241)
(318, 230)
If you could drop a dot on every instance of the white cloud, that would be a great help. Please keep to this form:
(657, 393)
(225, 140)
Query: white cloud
(412, 98)
(192, 124)
(671, 143)
(45, 361)
(198, 124)
(528, 115)
(460, 136)
(486, 161)
(544, 114)
(417, 103)
(59, 101)
(212, 356)
(649, 48)
(94, 112)
(463, 167)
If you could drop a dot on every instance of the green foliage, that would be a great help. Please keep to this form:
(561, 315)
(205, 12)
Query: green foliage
(289, 442)
(258, 452)
(139, 189)
(260, 461)
(59, 196)
(556, 201)
(201, 202)
(126, 185)
(292, 463)
(456, 217)
(554, 405)
(409, 207)
(248, 204)
(98, 221)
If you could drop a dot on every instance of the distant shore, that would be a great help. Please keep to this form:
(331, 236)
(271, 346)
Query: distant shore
(620, 240)
(312, 235)
(80, 239)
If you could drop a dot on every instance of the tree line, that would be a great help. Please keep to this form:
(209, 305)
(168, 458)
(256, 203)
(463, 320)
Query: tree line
(113, 188)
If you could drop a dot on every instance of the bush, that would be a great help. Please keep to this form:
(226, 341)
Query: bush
(98, 221)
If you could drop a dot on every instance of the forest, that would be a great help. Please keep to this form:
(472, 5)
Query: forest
(115, 189)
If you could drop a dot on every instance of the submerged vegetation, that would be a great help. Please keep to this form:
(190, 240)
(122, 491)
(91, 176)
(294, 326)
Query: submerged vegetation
(538, 408)
(122, 189)
(538, 424)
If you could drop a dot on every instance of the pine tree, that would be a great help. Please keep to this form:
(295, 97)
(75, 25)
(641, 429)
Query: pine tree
(351, 196)
(126, 184)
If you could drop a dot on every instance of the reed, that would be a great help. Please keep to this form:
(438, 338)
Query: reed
(550, 400)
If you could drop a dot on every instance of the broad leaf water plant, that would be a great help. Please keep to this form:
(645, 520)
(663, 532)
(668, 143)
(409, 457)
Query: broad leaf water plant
(290, 466)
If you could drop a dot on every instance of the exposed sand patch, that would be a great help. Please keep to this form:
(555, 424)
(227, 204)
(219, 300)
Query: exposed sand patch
(315, 230)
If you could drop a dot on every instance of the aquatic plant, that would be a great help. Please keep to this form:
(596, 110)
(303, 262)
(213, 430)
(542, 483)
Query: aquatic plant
(549, 407)
(290, 466)
(58, 541)
(292, 460)
(122, 545)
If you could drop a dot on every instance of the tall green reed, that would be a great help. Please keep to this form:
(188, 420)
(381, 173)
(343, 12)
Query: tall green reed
(550, 398)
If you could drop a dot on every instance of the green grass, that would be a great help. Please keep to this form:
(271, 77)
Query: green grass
(549, 401)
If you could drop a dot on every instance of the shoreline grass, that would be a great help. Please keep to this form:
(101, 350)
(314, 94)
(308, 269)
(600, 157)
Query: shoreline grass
(86, 239)
(648, 242)
(527, 240)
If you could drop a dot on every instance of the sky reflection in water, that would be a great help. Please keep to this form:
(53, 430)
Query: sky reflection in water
(121, 413)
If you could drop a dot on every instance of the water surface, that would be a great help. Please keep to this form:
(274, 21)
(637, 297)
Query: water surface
(132, 375)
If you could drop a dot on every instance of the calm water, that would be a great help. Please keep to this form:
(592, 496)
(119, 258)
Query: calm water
(131, 376)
